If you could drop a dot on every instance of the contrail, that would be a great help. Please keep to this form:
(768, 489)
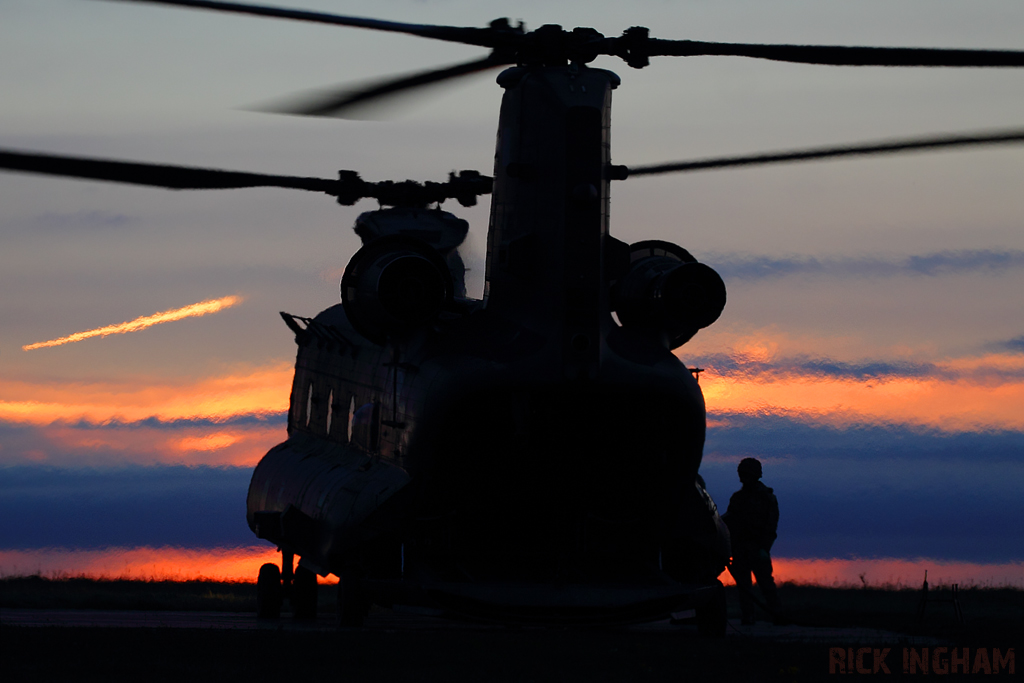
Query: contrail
(201, 308)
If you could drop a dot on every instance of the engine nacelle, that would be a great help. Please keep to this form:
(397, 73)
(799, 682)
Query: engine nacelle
(394, 285)
(667, 292)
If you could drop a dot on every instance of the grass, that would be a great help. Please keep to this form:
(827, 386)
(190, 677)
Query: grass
(990, 613)
(37, 592)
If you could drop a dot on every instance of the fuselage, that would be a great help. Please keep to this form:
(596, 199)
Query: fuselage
(520, 442)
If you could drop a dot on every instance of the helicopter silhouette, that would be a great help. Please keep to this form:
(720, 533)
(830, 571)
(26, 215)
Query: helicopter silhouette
(527, 456)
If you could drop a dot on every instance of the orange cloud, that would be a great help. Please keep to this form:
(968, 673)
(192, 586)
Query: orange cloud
(955, 394)
(892, 572)
(190, 311)
(949, 404)
(210, 442)
(262, 390)
(168, 563)
(332, 275)
(212, 445)
(114, 414)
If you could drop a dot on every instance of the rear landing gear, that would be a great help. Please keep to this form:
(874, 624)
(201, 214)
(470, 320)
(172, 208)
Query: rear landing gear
(275, 584)
(269, 593)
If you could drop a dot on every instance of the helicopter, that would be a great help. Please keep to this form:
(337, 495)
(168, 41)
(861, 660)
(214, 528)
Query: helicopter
(526, 456)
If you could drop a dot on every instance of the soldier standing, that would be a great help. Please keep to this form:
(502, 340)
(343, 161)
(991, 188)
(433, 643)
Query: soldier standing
(752, 518)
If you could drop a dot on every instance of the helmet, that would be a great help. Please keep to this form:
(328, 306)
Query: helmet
(749, 468)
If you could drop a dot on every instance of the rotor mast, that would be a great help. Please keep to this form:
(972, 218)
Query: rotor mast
(550, 210)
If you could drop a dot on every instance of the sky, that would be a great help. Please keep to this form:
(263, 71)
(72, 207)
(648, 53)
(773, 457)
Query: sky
(871, 352)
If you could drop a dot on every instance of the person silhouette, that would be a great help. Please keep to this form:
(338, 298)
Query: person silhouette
(753, 519)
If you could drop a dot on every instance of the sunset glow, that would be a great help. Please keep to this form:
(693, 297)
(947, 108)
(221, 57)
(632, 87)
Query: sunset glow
(159, 564)
(191, 311)
(242, 564)
(213, 445)
(240, 391)
(157, 421)
(870, 353)
(963, 394)
(104, 418)
(210, 442)
(891, 573)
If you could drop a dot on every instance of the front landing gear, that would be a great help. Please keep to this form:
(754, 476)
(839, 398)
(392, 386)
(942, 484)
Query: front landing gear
(712, 616)
(353, 605)
(304, 594)
(274, 585)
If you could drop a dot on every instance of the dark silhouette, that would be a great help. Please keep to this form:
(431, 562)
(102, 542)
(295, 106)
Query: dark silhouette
(753, 518)
(464, 455)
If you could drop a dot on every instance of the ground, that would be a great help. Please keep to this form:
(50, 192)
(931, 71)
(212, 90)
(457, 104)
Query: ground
(397, 646)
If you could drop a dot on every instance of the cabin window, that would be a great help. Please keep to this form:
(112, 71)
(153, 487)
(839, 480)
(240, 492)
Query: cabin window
(351, 415)
(365, 423)
(309, 403)
(330, 411)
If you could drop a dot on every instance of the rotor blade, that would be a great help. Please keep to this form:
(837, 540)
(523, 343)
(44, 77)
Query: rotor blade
(945, 141)
(454, 34)
(839, 55)
(156, 175)
(337, 102)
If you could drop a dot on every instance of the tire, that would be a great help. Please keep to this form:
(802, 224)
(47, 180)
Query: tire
(353, 605)
(304, 594)
(712, 618)
(268, 592)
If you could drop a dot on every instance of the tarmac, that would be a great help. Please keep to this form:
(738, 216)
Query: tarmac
(399, 621)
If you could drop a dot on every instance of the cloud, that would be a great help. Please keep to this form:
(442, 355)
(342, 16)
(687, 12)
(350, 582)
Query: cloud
(79, 220)
(865, 492)
(242, 391)
(124, 506)
(238, 441)
(783, 437)
(1015, 344)
(870, 457)
(878, 490)
(192, 310)
(743, 366)
(960, 394)
(995, 367)
(964, 261)
(734, 266)
(228, 419)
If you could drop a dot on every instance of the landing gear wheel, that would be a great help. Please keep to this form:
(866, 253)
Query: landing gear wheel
(353, 605)
(304, 594)
(268, 592)
(711, 616)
